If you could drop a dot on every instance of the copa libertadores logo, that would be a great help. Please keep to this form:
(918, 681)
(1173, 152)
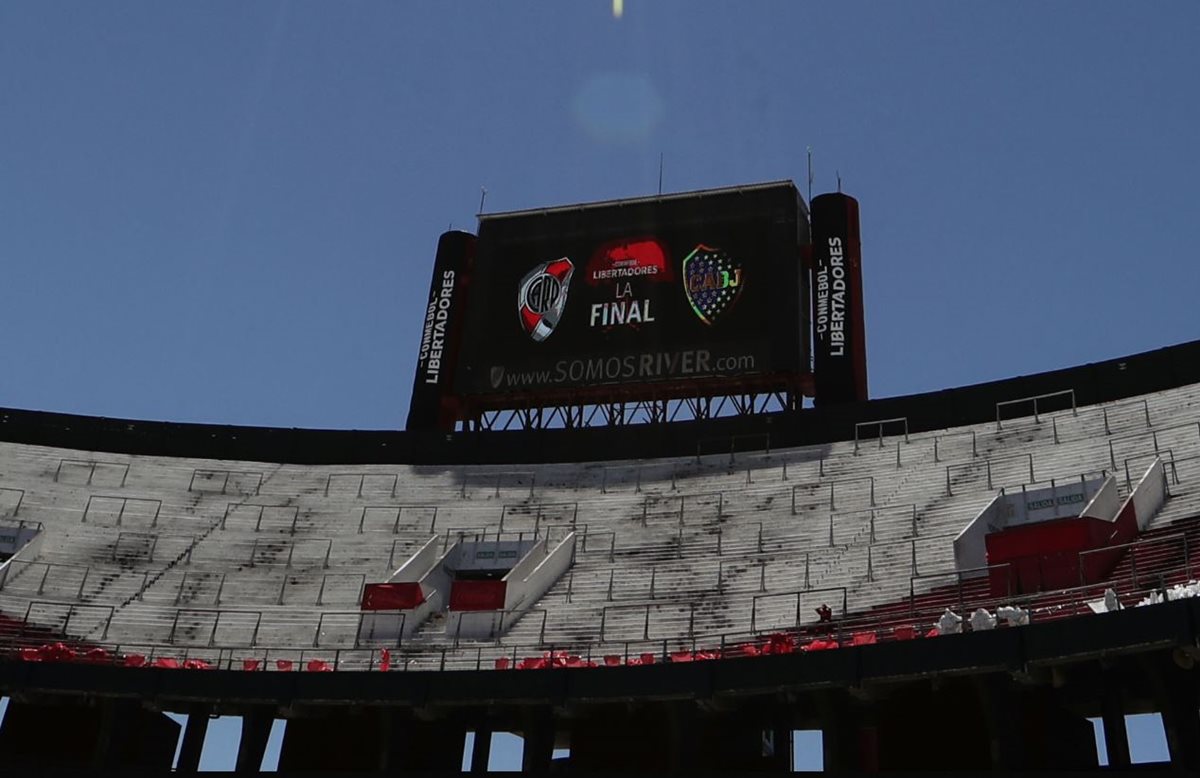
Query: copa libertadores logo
(712, 280)
(542, 296)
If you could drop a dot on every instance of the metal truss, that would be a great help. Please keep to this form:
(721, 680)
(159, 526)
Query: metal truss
(627, 412)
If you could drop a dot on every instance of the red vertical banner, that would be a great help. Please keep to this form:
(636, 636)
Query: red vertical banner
(434, 404)
(838, 321)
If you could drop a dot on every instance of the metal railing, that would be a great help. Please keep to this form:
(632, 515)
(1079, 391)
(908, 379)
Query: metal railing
(97, 500)
(880, 423)
(938, 438)
(1145, 409)
(275, 547)
(498, 479)
(1035, 399)
(538, 511)
(764, 438)
(833, 485)
(20, 493)
(91, 466)
(289, 514)
(969, 467)
(390, 479)
(800, 596)
(1153, 435)
(206, 476)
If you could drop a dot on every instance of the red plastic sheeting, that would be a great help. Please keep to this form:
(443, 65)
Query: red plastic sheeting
(196, 664)
(477, 595)
(285, 665)
(385, 660)
(612, 660)
(318, 666)
(166, 663)
(863, 639)
(134, 660)
(392, 596)
(250, 665)
(821, 645)
(904, 632)
(51, 652)
(96, 656)
(503, 663)
(547, 660)
(779, 643)
(693, 656)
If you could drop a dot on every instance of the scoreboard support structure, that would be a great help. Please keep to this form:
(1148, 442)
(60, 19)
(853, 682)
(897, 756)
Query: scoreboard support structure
(652, 310)
(734, 398)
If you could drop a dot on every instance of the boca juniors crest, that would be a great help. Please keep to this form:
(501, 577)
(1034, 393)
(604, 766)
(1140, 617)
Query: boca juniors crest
(712, 280)
(542, 296)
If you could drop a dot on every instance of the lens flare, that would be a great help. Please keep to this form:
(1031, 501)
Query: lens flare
(618, 8)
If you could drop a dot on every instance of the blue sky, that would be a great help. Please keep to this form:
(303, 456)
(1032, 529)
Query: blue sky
(226, 211)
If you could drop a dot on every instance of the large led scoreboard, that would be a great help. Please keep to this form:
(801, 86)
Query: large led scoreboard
(677, 296)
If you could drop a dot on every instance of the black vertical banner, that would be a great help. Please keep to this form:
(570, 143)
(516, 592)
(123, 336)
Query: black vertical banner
(839, 331)
(433, 404)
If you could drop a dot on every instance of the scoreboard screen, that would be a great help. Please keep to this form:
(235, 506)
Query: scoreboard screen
(685, 287)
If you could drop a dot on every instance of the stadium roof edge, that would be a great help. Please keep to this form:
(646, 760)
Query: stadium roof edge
(1092, 383)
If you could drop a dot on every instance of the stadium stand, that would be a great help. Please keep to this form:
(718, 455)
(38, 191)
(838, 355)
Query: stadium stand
(142, 562)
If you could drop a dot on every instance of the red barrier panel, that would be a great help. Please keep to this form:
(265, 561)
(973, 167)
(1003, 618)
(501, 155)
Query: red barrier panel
(477, 595)
(392, 596)
(1046, 555)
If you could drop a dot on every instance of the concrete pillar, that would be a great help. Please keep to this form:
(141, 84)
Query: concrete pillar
(997, 696)
(1116, 738)
(539, 742)
(683, 741)
(849, 740)
(481, 749)
(114, 734)
(106, 712)
(193, 740)
(1175, 694)
(385, 726)
(428, 745)
(256, 729)
(1182, 724)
